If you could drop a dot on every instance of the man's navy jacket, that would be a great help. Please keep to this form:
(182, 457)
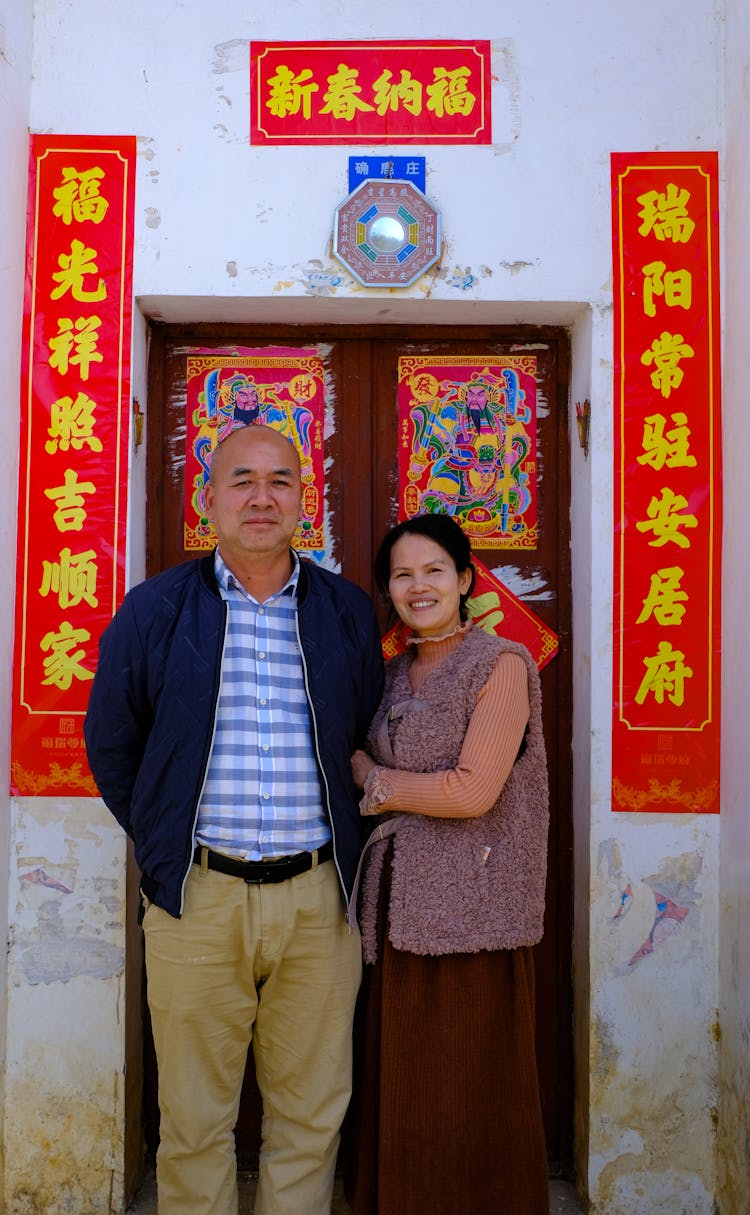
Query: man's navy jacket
(150, 721)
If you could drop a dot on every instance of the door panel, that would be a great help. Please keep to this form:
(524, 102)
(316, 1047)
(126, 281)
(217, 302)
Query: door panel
(361, 496)
(545, 568)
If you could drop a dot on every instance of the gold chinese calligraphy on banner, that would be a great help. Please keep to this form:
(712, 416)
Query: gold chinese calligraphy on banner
(374, 92)
(74, 433)
(667, 609)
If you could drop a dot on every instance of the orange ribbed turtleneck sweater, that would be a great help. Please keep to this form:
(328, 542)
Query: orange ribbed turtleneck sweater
(489, 748)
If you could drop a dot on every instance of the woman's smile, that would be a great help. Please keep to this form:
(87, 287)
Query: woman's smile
(425, 586)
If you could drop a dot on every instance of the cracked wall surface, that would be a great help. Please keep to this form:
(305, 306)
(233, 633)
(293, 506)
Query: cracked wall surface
(64, 1085)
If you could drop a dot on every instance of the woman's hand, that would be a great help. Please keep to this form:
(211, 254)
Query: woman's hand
(362, 765)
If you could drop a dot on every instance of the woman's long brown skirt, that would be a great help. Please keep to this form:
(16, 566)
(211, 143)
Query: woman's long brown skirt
(445, 1116)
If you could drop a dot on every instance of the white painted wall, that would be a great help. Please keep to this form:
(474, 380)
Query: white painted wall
(527, 217)
(15, 97)
(527, 228)
(734, 1090)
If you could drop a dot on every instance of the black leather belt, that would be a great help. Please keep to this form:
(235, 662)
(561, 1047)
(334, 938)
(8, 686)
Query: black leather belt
(263, 872)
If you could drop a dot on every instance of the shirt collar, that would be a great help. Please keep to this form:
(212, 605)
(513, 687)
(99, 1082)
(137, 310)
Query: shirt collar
(227, 580)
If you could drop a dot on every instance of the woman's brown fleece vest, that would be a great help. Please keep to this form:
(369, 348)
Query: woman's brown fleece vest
(461, 885)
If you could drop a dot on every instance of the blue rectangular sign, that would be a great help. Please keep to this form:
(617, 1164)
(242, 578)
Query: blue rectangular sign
(399, 168)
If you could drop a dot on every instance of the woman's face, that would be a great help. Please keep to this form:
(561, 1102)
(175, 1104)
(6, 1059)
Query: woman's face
(425, 586)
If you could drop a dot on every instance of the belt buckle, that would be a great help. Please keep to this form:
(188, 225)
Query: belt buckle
(271, 873)
(261, 878)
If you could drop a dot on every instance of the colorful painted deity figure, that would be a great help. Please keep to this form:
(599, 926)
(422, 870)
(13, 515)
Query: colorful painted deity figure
(246, 406)
(477, 440)
(239, 401)
(226, 398)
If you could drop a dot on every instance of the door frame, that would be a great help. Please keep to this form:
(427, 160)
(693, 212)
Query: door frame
(356, 435)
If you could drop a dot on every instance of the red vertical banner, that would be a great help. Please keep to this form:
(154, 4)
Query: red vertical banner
(667, 481)
(72, 496)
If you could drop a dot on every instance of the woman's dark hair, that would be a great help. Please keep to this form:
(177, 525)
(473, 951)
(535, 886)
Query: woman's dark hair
(444, 531)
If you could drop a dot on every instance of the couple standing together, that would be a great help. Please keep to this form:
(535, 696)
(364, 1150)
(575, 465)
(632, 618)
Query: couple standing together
(237, 716)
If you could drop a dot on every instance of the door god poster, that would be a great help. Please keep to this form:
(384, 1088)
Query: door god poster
(274, 386)
(467, 445)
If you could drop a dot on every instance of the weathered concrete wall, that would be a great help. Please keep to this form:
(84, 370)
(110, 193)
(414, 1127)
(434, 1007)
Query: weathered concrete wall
(64, 1120)
(225, 230)
(734, 1088)
(15, 100)
(654, 1027)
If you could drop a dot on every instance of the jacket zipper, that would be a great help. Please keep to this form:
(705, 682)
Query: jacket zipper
(208, 757)
(318, 756)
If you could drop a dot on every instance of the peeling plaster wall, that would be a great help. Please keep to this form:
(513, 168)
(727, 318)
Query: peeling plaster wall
(734, 1100)
(226, 231)
(64, 1084)
(15, 100)
(654, 1020)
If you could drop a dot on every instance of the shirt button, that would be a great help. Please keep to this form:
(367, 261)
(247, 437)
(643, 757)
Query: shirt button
(266, 796)
(261, 655)
(262, 700)
(265, 746)
(260, 611)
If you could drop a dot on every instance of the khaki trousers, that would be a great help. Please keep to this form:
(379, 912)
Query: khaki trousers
(274, 965)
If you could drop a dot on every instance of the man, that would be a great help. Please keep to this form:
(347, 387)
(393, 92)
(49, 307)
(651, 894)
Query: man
(230, 694)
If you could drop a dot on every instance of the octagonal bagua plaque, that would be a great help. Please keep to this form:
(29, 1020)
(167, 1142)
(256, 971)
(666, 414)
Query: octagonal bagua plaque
(386, 233)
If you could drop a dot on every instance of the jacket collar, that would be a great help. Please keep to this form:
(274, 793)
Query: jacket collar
(208, 575)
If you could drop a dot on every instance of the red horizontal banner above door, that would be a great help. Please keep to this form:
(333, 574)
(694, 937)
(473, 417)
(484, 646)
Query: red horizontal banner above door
(394, 92)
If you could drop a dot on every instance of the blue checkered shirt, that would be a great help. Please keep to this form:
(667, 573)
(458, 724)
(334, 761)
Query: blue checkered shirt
(262, 794)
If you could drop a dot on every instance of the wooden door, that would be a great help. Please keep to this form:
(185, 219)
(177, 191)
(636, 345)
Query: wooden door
(362, 487)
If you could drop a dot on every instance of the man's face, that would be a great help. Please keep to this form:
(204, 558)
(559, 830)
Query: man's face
(253, 497)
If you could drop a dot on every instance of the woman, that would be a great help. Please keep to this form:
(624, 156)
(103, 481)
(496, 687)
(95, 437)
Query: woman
(446, 1116)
